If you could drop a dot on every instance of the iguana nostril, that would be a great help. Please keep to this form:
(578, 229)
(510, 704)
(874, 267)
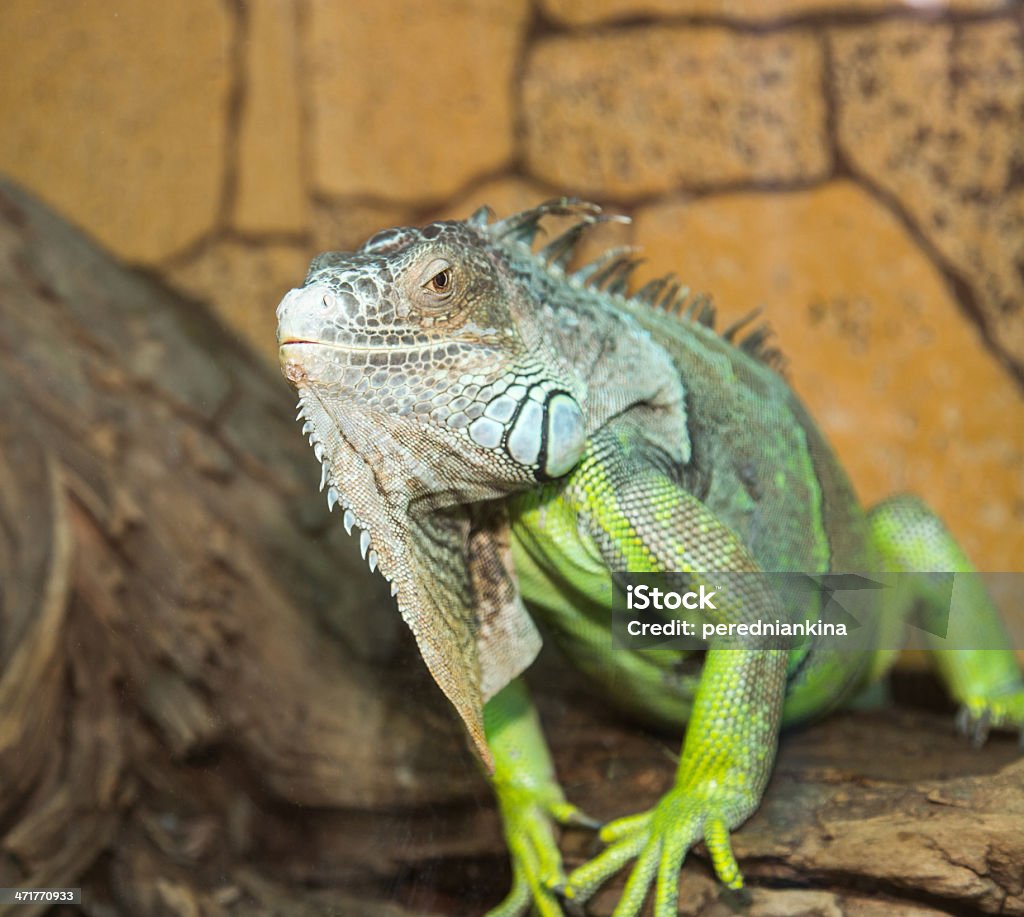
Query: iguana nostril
(288, 297)
(328, 301)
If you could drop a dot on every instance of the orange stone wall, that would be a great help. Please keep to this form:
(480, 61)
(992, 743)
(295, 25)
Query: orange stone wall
(856, 168)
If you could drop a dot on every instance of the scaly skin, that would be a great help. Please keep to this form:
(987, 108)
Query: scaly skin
(508, 435)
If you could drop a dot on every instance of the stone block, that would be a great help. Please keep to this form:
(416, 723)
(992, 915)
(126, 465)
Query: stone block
(116, 115)
(651, 109)
(409, 102)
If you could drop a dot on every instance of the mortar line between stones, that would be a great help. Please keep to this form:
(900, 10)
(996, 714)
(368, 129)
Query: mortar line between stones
(265, 236)
(960, 287)
(193, 251)
(235, 109)
(304, 89)
(830, 100)
(815, 21)
(690, 192)
(535, 27)
(415, 208)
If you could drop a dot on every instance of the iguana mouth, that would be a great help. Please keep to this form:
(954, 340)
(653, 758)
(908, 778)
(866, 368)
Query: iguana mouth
(361, 348)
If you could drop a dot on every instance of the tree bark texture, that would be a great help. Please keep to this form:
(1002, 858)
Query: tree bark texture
(208, 705)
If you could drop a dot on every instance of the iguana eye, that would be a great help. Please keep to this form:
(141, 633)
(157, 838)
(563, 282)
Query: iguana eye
(441, 281)
(438, 279)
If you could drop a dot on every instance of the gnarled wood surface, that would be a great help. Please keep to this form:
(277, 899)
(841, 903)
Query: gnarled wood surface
(209, 707)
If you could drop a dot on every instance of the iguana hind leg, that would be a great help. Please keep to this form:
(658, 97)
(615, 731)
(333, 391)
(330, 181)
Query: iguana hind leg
(986, 682)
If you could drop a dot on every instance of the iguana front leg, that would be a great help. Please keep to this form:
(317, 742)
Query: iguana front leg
(643, 521)
(531, 803)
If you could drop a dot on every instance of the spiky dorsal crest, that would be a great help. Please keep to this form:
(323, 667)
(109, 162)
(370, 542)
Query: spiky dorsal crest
(523, 226)
(605, 267)
(559, 251)
(481, 216)
(610, 272)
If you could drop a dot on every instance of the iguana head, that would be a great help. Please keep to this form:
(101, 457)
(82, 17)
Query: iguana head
(427, 383)
(420, 350)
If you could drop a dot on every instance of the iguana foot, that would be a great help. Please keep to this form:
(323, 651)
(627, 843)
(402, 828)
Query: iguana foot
(659, 840)
(997, 710)
(529, 815)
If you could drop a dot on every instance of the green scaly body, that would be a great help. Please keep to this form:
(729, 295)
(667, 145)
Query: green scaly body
(505, 432)
(804, 518)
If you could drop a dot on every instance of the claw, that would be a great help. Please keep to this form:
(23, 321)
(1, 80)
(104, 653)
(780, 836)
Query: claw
(580, 819)
(981, 726)
(974, 726)
(569, 815)
(1001, 709)
(963, 720)
(736, 899)
(569, 906)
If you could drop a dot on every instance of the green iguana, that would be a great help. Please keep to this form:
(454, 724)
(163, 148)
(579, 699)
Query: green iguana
(505, 434)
